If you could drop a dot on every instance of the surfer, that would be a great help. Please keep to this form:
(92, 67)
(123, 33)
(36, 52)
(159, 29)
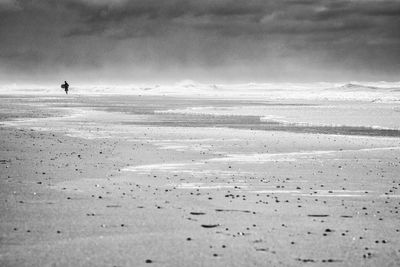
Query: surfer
(66, 85)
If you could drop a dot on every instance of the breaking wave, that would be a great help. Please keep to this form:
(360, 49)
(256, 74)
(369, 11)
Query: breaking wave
(374, 92)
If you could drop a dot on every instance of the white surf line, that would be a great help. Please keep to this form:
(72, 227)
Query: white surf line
(188, 168)
(190, 140)
(320, 192)
(265, 157)
(215, 172)
(330, 195)
(337, 193)
(275, 191)
(291, 156)
(159, 167)
(343, 191)
(247, 158)
(209, 186)
(212, 110)
(182, 147)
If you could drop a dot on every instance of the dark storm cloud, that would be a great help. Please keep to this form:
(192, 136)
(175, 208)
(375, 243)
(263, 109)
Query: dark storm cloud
(234, 17)
(105, 36)
(155, 16)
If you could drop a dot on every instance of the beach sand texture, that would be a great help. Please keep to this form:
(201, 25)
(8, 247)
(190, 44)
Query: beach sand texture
(175, 181)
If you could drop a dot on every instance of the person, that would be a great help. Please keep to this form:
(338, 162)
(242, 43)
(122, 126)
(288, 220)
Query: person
(66, 85)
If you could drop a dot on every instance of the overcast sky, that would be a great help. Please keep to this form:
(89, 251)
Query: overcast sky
(128, 41)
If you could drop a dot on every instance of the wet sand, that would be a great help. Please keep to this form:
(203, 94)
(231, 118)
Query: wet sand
(110, 182)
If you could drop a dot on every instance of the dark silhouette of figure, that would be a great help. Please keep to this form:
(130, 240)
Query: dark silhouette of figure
(66, 86)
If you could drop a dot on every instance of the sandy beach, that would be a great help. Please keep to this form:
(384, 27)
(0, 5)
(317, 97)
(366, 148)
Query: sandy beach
(179, 181)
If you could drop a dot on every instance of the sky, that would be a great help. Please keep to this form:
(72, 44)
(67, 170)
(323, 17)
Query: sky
(155, 41)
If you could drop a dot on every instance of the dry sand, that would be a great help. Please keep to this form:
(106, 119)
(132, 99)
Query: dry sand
(87, 187)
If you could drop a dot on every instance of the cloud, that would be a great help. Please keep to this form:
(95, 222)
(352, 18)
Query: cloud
(192, 37)
(127, 19)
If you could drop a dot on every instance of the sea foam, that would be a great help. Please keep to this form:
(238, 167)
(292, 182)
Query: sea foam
(361, 91)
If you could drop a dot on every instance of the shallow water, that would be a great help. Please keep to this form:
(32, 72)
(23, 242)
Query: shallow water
(326, 117)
